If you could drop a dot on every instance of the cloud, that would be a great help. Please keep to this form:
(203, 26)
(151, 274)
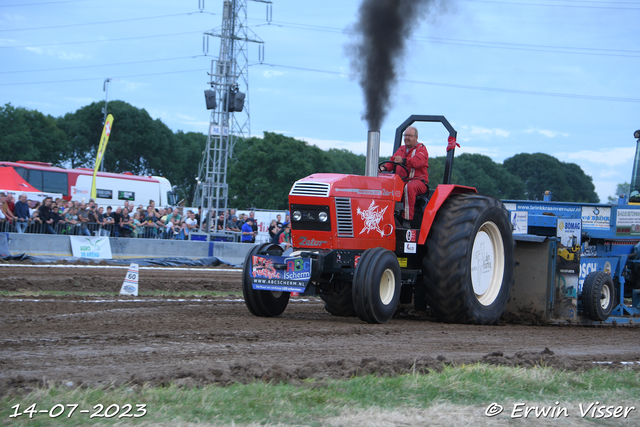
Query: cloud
(325, 144)
(56, 53)
(7, 42)
(481, 131)
(186, 118)
(609, 157)
(547, 133)
(130, 85)
(272, 73)
(81, 101)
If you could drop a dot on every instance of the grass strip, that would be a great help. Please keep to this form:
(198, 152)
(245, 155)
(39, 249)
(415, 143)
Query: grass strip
(153, 293)
(313, 402)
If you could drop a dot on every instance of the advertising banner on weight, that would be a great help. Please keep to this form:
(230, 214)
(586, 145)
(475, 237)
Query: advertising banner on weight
(90, 247)
(277, 273)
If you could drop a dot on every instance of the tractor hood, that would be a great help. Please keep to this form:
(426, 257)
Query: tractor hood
(385, 186)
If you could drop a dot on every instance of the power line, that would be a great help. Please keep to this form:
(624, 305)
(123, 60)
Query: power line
(458, 86)
(104, 65)
(584, 6)
(104, 40)
(486, 44)
(43, 3)
(104, 22)
(484, 88)
(440, 40)
(101, 78)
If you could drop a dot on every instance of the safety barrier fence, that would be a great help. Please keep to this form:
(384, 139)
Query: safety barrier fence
(108, 230)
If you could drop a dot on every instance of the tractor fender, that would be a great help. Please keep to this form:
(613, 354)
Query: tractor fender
(440, 195)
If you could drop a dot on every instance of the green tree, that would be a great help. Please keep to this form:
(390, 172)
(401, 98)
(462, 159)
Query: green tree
(137, 143)
(266, 169)
(30, 135)
(622, 188)
(344, 161)
(188, 155)
(541, 172)
(487, 176)
(480, 172)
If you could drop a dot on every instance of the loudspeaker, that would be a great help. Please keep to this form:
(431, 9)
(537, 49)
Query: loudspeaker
(210, 98)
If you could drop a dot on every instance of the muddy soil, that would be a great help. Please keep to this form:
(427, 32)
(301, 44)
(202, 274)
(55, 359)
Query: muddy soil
(77, 340)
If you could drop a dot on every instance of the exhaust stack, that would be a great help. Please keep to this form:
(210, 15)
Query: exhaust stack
(373, 153)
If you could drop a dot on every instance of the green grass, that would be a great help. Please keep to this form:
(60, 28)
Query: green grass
(455, 389)
(155, 293)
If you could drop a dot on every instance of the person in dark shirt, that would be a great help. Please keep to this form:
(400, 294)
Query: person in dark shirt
(58, 219)
(21, 212)
(44, 212)
(117, 218)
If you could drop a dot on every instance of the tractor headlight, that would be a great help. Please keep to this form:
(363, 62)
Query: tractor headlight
(310, 217)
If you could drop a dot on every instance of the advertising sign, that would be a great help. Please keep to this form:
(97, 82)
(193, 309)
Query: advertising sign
(292, 274)
(596, 217)
(80, 193)
(519, 221)
(628, 222)
(569, 231)
(90, 247)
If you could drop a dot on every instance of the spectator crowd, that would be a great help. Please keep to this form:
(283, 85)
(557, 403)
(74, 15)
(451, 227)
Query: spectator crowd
(61, 216)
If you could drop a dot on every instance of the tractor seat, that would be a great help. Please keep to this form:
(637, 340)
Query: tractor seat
(421, 203)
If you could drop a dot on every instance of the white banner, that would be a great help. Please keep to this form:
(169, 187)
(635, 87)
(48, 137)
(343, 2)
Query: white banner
(90, 247)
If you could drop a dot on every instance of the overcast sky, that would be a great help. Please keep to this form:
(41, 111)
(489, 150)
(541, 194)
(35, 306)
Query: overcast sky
(560, 77)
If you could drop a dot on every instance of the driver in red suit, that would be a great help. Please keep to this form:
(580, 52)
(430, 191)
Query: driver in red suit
(415, 157)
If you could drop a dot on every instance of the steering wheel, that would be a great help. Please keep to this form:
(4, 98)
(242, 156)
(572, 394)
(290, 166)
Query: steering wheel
(397, 164)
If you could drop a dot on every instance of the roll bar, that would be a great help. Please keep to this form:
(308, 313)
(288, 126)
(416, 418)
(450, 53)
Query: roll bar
(448, 166)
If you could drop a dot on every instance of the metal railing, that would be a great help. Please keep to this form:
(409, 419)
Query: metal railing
(140, 231)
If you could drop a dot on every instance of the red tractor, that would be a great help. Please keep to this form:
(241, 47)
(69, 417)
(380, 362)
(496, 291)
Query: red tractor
(351, 249)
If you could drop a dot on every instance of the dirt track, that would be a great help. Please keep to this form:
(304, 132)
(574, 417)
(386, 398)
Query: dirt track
(194, 341)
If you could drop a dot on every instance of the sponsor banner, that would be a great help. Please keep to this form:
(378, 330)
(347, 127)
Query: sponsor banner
(589, 265)
(596, 217)
(559, 210)
(519, 221)
(263, 220)
(628, 222)
(410, 248)
(90, 247)
(292, 274)
(80, 193)
(569, 231)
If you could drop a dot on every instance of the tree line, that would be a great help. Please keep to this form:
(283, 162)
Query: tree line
(262, 170)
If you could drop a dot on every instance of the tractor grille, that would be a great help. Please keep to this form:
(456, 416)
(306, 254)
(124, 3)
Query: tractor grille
(343, 217)
(306, 188)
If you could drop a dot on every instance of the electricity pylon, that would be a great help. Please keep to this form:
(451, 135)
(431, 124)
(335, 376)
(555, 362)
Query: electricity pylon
(228, 99)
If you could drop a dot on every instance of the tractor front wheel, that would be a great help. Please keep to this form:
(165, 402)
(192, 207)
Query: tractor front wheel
(470, 260)
(262, 303)
(376, 285)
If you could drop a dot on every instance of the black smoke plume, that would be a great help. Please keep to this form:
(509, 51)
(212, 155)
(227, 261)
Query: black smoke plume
(382, 30)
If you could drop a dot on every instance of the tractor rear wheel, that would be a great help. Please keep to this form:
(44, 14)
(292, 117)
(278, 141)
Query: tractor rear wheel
(376, 285)
(597, 296)
(470, 260)
(262, 303)
(340, 302)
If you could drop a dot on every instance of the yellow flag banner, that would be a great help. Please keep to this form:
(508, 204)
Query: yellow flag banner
(104, 139)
